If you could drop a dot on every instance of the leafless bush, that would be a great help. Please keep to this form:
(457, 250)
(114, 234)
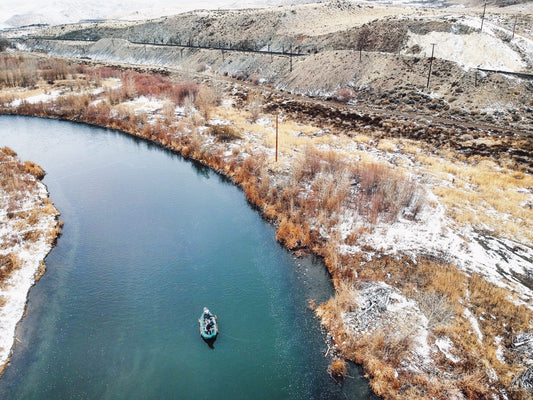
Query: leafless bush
(343, 95)
(169, 110)
(54, 69)
(115, 96)
(224, 133)
(436, 308)
(383, 192)
(255, 102)
(73, 104)
(17, 71)
(129, 87)
(8, 152)
(308, 165)
(337, 369)
(206, 99)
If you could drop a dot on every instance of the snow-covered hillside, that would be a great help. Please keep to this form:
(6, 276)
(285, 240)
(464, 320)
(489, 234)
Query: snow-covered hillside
(55, 12)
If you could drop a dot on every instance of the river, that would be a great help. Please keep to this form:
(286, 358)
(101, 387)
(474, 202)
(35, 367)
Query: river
(149, 240)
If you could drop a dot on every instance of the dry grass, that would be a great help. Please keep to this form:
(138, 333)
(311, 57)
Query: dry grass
(337, 369)
(442, 293)
(34, 169)
(386, 145)
(9, 263)
(484, 196)
(8, 152)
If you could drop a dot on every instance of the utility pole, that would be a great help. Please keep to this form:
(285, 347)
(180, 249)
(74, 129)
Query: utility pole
(483, 16)
(277, 115)
(431, 62)
(514, 26)
(290, 58)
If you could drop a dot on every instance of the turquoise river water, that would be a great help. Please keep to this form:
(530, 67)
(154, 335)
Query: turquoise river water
(149, 240)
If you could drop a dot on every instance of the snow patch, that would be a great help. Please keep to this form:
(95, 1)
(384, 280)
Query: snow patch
(474, 323)
(475, 50)
(445, 345)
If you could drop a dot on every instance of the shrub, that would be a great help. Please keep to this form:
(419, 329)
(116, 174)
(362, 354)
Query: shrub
(343, 95)
(107, 72)
(224, 133)
(54, 69)
(4, 44)
(179, 93)
(255, 101)
(206, 99)
(384, 193)
(308, 165)
(337, 369)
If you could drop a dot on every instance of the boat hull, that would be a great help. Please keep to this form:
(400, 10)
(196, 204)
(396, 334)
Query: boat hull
(208, 334)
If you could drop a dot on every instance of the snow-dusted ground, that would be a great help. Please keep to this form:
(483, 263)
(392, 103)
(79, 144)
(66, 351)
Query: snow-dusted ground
(39, 98)
(483, 49)
(27, 12)
(380, 305)
(15, 290)
(434, 234)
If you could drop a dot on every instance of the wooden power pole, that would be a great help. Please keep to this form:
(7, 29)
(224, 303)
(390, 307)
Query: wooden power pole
(277, 115)
(514, 25)
(431, 62)
(290, 58)
(483, 16)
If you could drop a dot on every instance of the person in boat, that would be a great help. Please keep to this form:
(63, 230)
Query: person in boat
(209, 326)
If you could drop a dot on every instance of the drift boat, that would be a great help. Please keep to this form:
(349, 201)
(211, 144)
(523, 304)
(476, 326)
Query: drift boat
(208, 325)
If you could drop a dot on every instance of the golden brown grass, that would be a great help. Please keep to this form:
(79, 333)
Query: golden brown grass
(34, 169)
(337, 369)
(386, 145)
(442, 293)
(8, 264)
(472, 190)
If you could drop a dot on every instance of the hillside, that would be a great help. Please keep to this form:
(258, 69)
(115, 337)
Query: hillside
(381, 54)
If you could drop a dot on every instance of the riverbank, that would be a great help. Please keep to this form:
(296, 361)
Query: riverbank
(29, 228)
(419, 303)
